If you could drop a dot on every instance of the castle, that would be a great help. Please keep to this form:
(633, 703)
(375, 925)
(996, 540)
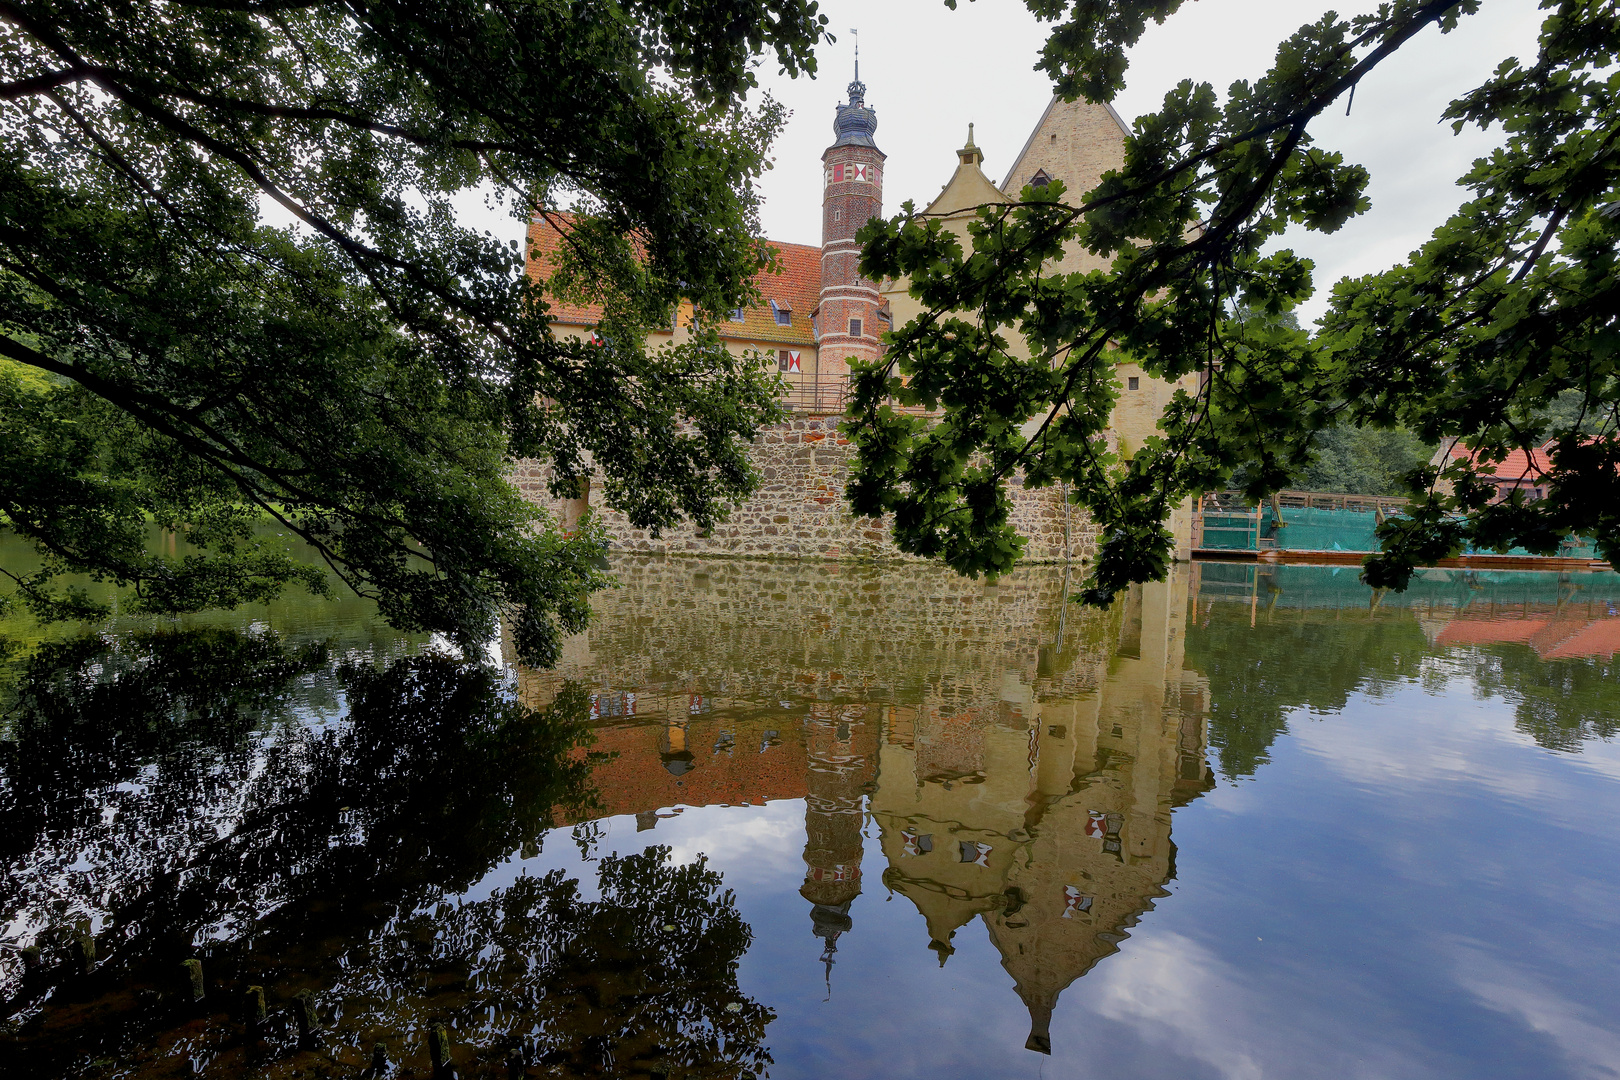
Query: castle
(819, 313)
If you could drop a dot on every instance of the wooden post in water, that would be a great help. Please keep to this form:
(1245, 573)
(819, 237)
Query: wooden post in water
(379, 1058)
(31, 960)
(83, 950)
(304, 1013)
(194, 977)
(253, 1005)
(439, 1049)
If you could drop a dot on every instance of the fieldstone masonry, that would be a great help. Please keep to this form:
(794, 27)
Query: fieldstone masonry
(799, 510)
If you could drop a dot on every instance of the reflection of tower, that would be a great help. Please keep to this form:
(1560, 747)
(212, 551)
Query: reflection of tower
(672, 749)
(852, 194)
(840, 767)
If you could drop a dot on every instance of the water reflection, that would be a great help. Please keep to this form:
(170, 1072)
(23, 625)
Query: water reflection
(165, 802)
(1274, 639)
(935, 777)
(1020, 761)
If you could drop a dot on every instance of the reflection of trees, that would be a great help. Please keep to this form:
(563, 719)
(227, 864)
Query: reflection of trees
(331, 858)
(1291, 660)
(1559, 703)
(641, 980)
(1316, 658)
(116, 743)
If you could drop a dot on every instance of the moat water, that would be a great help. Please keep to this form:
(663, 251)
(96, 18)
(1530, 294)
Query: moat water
(821, 820)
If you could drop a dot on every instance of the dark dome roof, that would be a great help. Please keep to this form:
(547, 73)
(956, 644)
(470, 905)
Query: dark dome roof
(856, 121)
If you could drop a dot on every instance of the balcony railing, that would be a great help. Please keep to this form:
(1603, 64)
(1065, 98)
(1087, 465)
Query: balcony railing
(822, 395)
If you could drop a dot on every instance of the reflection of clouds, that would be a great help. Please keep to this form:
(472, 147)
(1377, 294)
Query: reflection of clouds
(1589, 1049)
(752, 845)
(1417, 739)
(1173, 990)
(1234, 797)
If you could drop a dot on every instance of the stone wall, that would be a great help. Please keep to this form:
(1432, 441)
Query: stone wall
(799, 509)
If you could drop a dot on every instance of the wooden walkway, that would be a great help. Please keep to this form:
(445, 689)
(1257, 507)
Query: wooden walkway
(1549, 563)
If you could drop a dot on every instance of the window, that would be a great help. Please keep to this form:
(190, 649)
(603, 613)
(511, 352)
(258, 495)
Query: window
(784, 316)
(1133, 383)
(974, 853)
(838, 215)
(737, 315)
(1040, 179)
(787, 360)
(854, 328)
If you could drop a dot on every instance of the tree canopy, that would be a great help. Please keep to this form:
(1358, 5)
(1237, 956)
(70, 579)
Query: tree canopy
(366, 374)
(1499, 332)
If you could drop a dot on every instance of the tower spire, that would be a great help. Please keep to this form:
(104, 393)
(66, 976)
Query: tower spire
(857, 89)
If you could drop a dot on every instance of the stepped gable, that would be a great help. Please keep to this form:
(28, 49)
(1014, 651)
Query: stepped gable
(794, 290)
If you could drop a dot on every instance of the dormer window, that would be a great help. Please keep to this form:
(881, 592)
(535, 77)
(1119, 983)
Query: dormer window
(784, 316)
(1040, 179)
(736, 314)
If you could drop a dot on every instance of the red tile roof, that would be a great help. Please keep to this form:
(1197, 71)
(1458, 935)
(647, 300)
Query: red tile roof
(1470, 630)
(796, 289)
(1529, 467)
(1553, 635)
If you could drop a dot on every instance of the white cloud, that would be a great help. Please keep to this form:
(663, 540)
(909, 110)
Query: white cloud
(1175, 991)
(930, 71)
(1589, 1048)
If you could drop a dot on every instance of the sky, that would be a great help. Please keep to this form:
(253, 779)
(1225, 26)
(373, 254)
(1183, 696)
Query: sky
(930, 71)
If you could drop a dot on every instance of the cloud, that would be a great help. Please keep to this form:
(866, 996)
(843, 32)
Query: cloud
(1175, 991)
(1590, 1049)
(930, 71)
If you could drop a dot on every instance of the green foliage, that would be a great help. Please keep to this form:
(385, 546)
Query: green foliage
(367, 375)
(1484, 335)
(1363, 461)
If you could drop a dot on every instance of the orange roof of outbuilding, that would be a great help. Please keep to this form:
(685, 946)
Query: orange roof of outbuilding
(1518, 464)
(796, 289)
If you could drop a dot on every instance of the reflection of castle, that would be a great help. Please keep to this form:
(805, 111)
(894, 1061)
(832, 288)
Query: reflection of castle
(1050, 819)
(1020, 760)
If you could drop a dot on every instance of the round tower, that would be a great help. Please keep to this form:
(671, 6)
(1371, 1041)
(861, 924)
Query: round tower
(847, 321)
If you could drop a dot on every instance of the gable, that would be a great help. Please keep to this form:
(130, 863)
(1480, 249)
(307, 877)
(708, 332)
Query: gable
(1075, 142)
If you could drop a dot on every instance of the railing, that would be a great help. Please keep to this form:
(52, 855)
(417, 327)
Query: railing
(1233, 501)
(1225, 520)
(821, 394)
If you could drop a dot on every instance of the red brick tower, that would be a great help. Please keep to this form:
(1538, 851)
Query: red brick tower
(847, 322)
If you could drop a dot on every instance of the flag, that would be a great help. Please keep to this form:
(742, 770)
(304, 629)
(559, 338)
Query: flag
(1096, 823)
(793, 361)
(1073, 901)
